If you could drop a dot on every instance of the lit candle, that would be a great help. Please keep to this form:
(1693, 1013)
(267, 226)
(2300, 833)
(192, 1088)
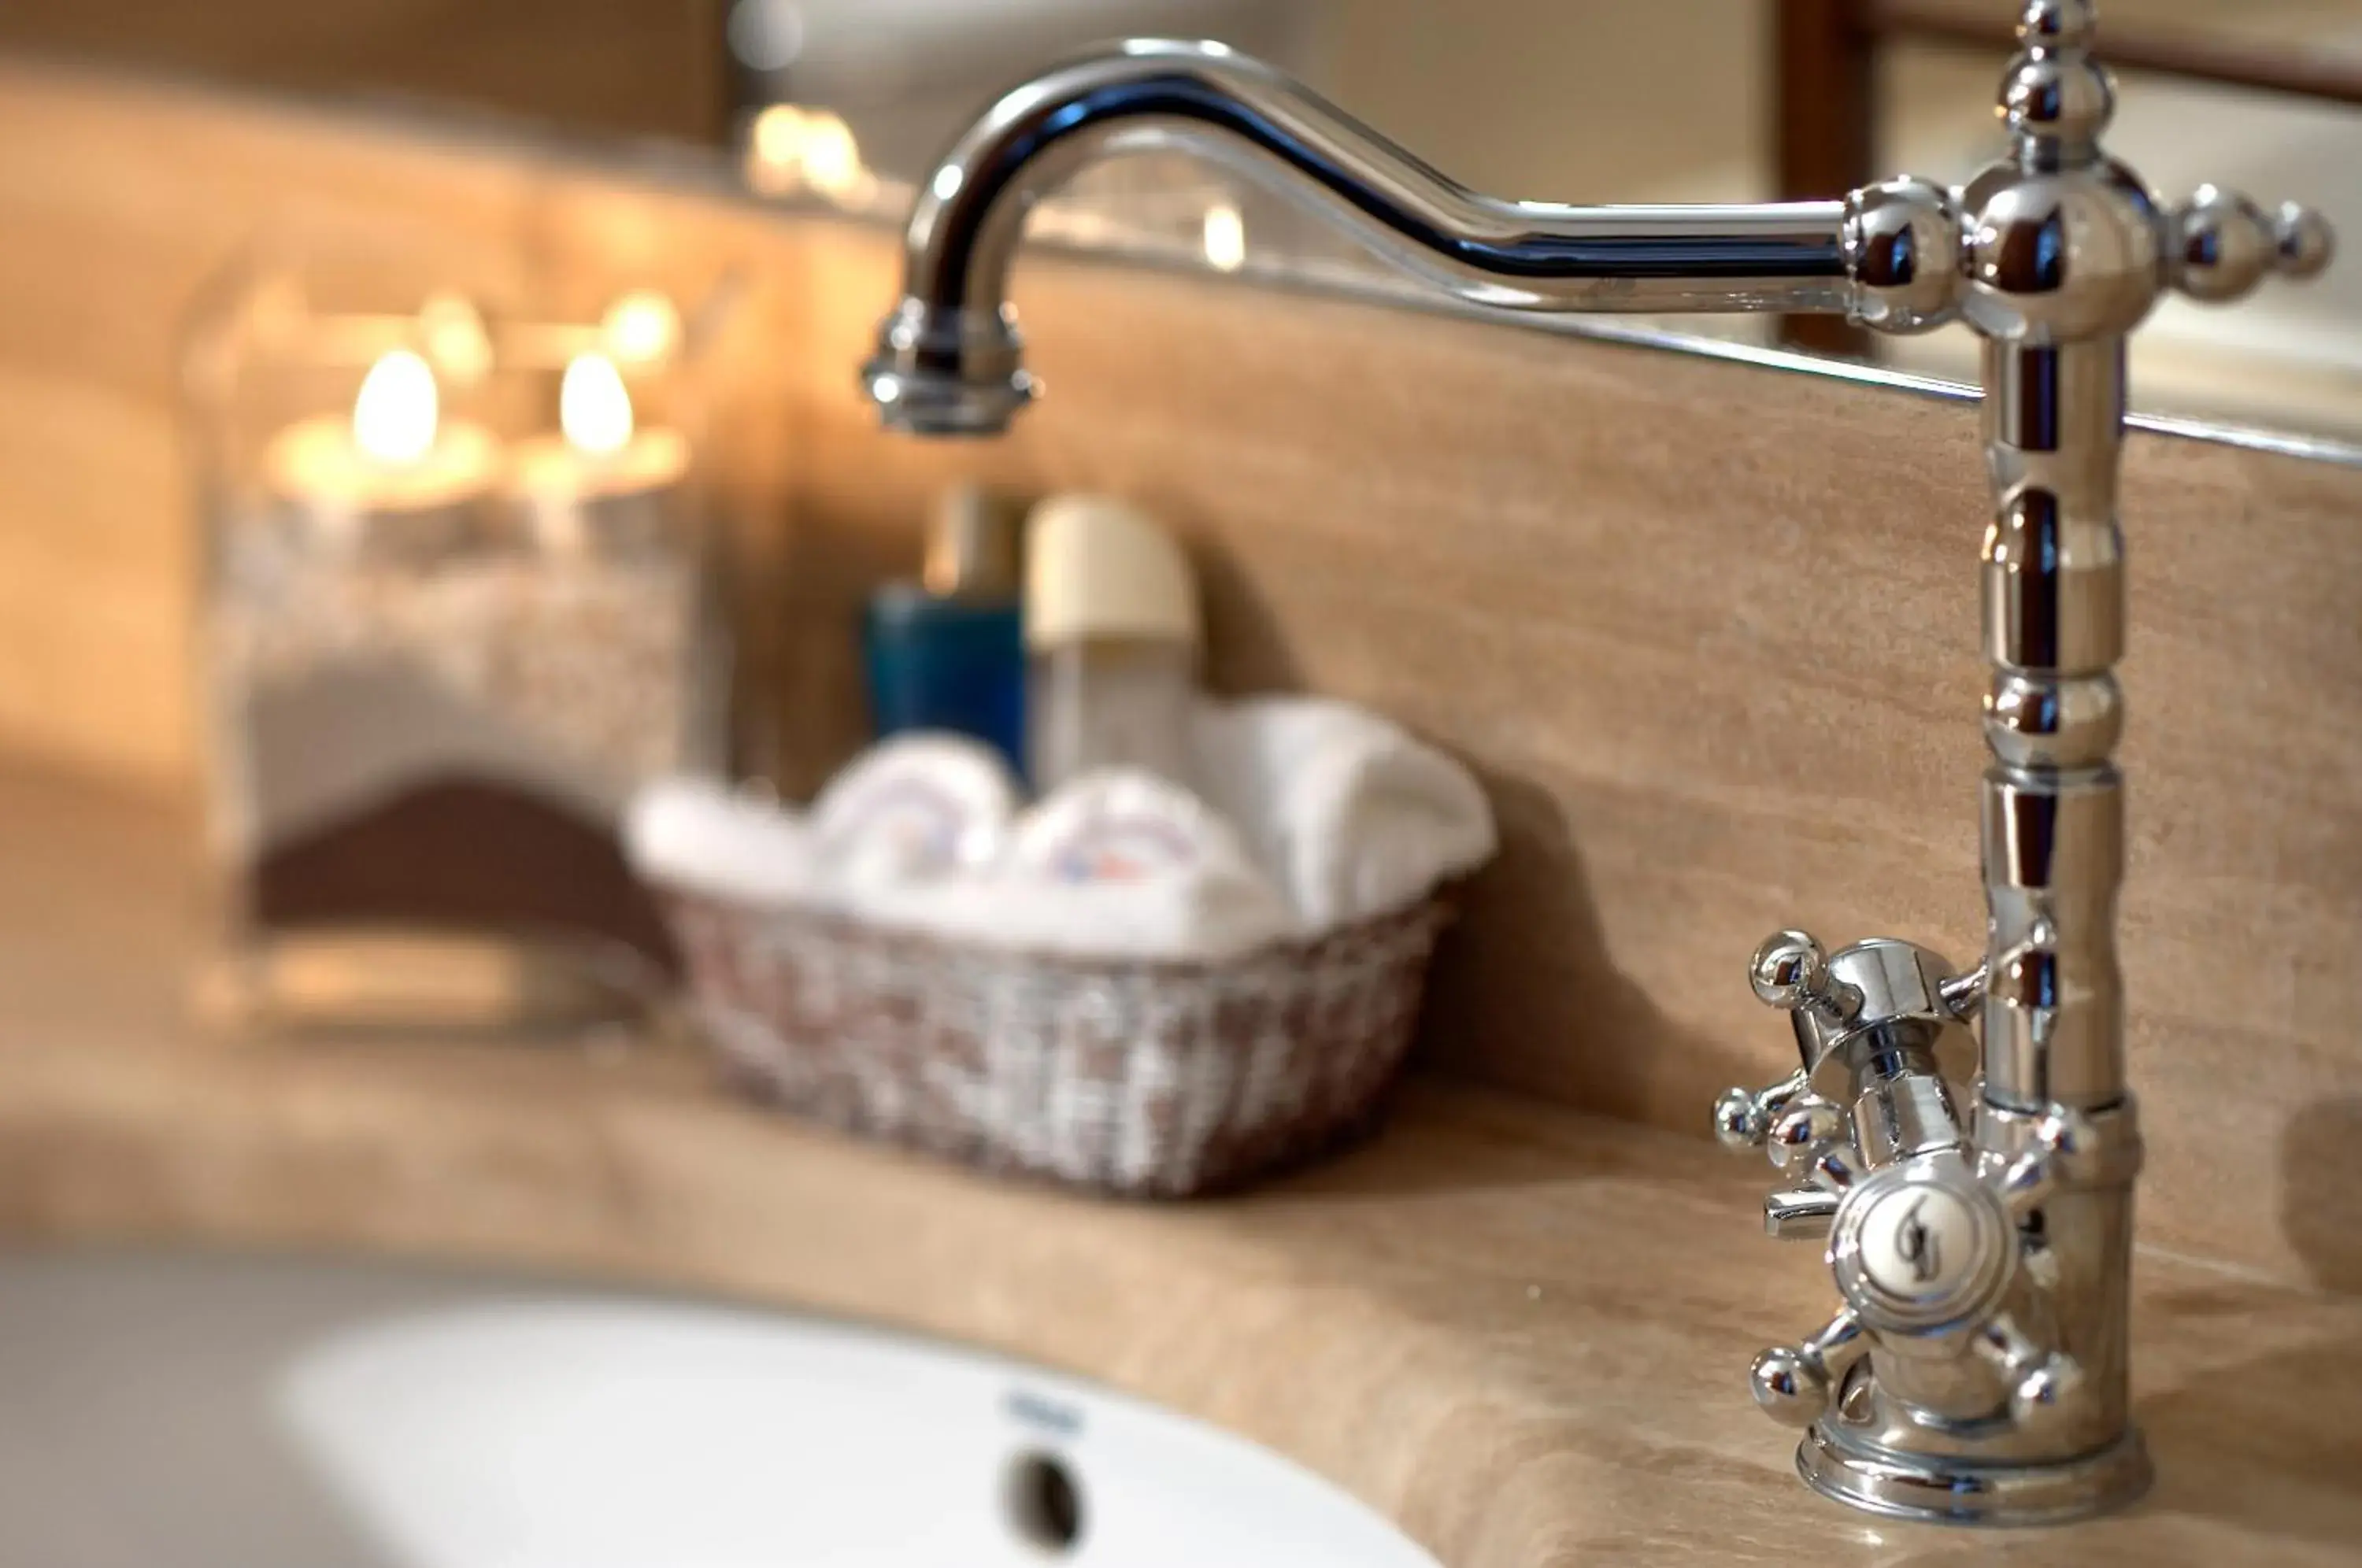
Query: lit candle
(394, 475)
(601, 483)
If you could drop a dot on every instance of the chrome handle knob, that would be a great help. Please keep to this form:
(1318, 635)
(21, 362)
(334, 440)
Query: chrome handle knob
(1794, 1383)
(1803, 1134)
(1743, 1117)
(1791, 971)
(2221, 244)
(1813, 1140)
(2042, 1380)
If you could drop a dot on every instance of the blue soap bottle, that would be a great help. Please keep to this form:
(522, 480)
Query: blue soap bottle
(947, 652)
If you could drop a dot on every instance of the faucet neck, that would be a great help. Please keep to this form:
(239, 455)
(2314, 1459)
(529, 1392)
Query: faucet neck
(948, 359)
(1204, 99)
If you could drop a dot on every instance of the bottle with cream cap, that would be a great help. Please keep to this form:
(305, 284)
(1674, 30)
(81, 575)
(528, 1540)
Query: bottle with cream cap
(1112, 637)
(947, 652)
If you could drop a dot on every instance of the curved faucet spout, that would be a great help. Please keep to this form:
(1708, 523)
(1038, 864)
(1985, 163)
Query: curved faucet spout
(948, 359)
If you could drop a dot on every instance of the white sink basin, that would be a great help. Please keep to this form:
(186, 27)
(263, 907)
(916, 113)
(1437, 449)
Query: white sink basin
(193, 1412)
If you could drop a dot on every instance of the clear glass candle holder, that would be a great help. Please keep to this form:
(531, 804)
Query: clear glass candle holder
(459, 605)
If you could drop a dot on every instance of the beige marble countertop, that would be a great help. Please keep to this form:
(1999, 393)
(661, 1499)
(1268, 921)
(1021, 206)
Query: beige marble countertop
(1522, 1334)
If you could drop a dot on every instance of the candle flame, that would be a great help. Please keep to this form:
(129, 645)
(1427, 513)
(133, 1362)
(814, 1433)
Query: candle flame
(395, 412)
(593, 407)
(791, 148)
(832, 158)
(641, 326)
(1225, 236)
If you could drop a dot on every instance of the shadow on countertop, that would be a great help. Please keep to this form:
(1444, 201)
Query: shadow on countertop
(1523, 982)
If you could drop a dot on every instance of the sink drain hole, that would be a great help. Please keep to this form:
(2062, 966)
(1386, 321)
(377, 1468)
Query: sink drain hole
(1045, 1503)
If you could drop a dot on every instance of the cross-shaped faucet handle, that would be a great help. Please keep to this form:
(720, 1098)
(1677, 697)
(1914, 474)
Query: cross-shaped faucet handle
(2057, 241)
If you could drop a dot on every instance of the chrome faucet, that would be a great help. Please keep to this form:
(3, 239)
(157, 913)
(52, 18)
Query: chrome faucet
(1975, 1371)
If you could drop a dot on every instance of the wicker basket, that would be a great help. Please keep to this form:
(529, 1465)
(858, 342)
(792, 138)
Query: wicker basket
(1147, 1079)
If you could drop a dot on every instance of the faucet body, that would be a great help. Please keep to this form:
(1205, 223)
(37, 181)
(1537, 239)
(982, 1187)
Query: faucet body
(1976, 1370)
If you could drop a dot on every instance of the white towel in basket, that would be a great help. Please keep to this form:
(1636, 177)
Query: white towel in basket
(1113, 864)
(701, 836)
(1352, 815)
(1322, 815)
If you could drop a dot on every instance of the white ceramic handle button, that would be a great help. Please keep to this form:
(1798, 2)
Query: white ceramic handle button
(1919, 1243)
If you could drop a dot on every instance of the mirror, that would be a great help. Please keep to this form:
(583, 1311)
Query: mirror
(847, 101)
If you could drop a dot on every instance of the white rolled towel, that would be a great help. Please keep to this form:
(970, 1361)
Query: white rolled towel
(704, 837)
(1113, 864)
(1303, 815)
(1351, 813)
(913, 808)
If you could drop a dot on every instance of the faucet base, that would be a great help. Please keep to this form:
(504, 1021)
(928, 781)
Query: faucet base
(1939, 1489)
